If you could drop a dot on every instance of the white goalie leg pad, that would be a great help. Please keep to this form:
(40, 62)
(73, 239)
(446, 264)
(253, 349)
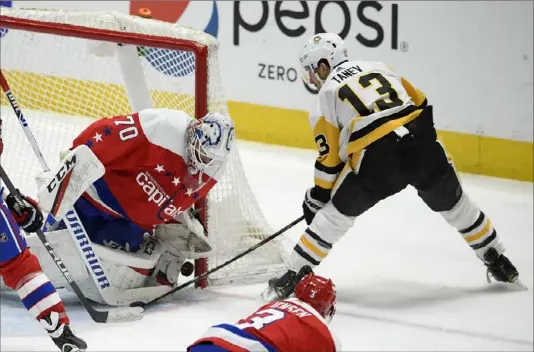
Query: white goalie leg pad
(65, 249)
(130, 270)
(126, 285)
(128, 274)
(116, 266)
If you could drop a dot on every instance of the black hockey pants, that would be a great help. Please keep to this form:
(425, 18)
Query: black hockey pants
(392, 163)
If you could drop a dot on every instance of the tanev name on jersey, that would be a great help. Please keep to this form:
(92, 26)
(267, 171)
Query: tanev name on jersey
(346, 73)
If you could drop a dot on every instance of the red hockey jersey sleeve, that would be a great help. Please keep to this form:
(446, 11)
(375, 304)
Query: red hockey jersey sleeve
(144, 154)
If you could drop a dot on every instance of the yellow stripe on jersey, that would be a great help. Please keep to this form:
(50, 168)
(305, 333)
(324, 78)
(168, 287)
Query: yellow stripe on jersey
(328, 164)
(374, 131)
(418, 97)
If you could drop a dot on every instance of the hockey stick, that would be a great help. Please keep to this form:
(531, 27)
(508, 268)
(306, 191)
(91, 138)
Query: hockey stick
(109, 293)
(217, 268)
(113, 315)
(22, 120)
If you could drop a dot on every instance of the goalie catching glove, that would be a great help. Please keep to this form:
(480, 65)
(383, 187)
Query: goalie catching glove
(186, 235)
(182, 239)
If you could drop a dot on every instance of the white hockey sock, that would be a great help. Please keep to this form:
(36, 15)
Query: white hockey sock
(327, 227)
(474, 226)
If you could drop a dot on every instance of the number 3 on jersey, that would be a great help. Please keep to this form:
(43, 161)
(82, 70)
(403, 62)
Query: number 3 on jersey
(322, 145)
(345, 92)
(262, 318)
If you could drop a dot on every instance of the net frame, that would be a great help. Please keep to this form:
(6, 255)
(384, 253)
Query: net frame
(201, 52)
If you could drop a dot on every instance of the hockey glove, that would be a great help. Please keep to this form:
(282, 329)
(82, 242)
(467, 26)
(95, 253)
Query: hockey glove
(311, 204)
(186, 235)
(25, 212)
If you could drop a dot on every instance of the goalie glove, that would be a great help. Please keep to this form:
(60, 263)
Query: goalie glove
(25, 212)
(186, 236)
(168, 267)
(312, 204)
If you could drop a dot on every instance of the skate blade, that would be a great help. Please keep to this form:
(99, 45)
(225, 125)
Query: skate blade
(520, 285)
(269, 295)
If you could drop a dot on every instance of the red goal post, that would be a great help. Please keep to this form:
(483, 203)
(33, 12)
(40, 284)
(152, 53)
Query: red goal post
(48, 90)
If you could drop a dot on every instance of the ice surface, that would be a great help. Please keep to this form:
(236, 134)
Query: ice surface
(405, 279)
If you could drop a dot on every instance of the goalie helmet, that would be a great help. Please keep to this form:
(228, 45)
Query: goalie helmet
(209, 140)
(327, 46)
(318, 292)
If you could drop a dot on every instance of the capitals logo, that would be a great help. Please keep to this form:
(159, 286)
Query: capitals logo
(187, 13)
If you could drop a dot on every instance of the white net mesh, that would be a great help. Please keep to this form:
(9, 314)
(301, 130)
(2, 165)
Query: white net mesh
(63, 83)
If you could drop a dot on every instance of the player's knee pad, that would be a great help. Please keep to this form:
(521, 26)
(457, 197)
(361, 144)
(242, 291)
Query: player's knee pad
(444, 193)
(19, 267)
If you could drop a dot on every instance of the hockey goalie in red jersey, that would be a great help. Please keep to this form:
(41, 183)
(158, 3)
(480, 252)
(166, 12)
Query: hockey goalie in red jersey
(299, 323)
(157, 164)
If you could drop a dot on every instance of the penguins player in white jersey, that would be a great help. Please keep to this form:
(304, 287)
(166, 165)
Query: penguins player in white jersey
(375, 136)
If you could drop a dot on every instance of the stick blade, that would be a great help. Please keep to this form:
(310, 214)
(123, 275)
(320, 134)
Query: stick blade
(121, 315)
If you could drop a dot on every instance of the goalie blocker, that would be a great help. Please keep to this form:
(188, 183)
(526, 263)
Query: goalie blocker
(110, 275)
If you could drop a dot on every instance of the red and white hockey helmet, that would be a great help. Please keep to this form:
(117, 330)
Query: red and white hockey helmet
(318, 292)
(209, 141)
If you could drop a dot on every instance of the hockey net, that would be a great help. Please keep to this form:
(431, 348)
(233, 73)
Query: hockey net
(67, 68)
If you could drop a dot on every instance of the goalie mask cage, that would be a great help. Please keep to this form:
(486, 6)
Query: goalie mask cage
(68, 68)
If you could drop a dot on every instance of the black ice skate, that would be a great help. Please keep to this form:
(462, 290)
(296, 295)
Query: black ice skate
(61, 334)
(499, 267)
(283, 286)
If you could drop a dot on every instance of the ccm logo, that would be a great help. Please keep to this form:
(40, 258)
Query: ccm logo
(65, 168)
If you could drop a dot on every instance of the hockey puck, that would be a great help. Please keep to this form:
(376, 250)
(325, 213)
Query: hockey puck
(187, 269)
(137, 304)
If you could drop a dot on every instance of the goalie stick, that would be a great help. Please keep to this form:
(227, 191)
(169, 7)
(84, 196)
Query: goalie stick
(113, 315)
(217, 268)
